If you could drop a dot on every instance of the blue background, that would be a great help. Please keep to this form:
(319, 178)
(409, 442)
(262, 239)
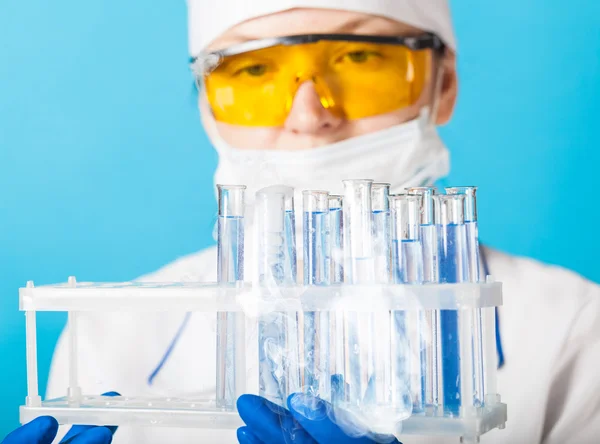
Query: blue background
(106, 174)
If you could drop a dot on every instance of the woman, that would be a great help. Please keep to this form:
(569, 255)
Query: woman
(309, 115)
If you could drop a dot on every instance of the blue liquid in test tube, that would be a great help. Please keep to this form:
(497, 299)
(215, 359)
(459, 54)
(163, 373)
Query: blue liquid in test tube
(470, 195)
(453, 268)
(276, 257)
(410, 345)
(230, 270)
(317, 269)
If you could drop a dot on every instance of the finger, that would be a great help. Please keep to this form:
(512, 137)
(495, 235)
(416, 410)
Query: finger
(96, 435)
(269, 422)
(315, 416)
(245, 436)
(41, 430)
(78, 429)
(112, 429)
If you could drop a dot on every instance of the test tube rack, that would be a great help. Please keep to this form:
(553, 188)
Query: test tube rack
(79, 408)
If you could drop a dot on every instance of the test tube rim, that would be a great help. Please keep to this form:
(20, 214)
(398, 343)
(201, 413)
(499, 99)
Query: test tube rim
(370, 181)
(232, 187)
(400, 197)
(460, 188)
(434, 190)
(305, 192)
(336, 197)
(447, 197)
(320, 196)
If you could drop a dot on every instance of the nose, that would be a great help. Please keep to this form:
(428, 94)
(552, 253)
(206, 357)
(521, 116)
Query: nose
(308, 116)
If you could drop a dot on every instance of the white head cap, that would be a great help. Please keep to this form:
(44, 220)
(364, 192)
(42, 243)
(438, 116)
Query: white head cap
(207, 20)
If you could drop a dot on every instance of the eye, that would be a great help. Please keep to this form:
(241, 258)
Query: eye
(358, 56)
(361, 56)
(254, 70)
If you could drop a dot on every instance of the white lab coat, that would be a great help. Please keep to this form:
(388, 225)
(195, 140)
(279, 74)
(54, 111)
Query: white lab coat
(550, 332)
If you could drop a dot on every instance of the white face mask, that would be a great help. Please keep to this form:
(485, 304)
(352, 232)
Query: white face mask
(409, 154)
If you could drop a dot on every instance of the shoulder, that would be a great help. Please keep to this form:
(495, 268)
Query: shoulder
(546, 307)
(534, 280)
(195, 267)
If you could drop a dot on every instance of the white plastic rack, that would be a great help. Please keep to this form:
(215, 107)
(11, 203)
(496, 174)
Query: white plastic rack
(74, 297)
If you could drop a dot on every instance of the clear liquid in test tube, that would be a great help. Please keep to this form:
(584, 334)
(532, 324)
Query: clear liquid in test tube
(470, 210)
(316, 375)
(358, 269)
(230, 270)
(412, 360)
(453, 268)
(279, 374)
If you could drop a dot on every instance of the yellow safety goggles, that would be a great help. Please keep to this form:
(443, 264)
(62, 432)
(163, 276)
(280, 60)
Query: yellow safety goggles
(355, 76)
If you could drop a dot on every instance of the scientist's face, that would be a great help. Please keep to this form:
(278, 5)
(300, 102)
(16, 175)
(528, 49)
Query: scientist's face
(308, 124)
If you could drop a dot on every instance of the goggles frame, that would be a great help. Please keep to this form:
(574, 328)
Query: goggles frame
(205, 62)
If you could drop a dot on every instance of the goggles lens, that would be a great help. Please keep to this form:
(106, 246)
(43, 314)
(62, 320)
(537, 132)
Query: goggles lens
(353, 80)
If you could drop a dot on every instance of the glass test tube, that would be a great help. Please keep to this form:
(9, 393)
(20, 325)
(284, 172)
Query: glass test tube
(336, 238)
(452, 264)
(380, 193)
(276, 257)
(428, 233)
(316, 377)
(470, 210)
(358, 269)
(230, 270)
(380, 385)
(337, 318)
(410, 371)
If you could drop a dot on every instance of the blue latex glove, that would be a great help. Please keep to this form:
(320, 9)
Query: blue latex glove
(306, 422)
(43, 430)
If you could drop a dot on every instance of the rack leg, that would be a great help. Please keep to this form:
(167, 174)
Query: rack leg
(74, 389)
(33, 397)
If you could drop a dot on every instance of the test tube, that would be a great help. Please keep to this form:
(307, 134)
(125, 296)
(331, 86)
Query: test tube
(428, 234)
(380, 193)
(428, 231)
(337, 341)
(336, 238)
(471, 227)
(406, 239)
(452, 266)
(358, 230)
(380, 385)
(413, 356)
(276, 258)
(230, 270)
(317, 252)
(358, 269)
(470, 211)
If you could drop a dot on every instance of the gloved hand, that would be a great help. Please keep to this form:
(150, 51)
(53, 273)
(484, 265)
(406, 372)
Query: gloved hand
(306, 422)
(42, 430)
